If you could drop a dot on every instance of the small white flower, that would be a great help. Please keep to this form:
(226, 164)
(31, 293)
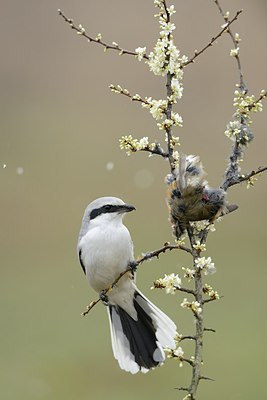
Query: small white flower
(199, 246)
(81, 30)
(143, 143)
(237, 38)
(213, 294)
(170, 283)
(177, 119)
(179, 352)
(171, 10)
(189, 273)
(195, 306)
(251, 181)
(234, 52)
(206, 265)
(140, 52)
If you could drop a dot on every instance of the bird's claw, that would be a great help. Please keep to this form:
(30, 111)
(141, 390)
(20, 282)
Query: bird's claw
(104, 298)
(133, 266)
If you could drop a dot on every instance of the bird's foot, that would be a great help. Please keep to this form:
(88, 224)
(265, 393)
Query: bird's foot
(104, 298)
(133, 267)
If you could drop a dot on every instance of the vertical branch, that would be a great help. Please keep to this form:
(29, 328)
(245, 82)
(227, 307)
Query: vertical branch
(196, 372)
(168, 129)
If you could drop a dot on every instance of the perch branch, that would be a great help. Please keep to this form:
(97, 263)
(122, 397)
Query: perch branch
(145, 257)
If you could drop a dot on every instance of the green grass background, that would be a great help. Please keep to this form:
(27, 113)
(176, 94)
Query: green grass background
(60, 123)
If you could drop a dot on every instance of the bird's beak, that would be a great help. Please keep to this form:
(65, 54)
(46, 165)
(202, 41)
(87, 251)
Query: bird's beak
(127, 208)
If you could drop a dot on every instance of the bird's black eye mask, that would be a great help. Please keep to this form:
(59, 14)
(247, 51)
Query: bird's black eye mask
(108, 208)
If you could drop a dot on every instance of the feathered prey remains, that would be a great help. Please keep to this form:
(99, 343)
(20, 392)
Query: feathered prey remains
(190, 198)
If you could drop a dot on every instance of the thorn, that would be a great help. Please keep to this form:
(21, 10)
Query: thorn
(209, 330)
(206, 378)
(182, 389)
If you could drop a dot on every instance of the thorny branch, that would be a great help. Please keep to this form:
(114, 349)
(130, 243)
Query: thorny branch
(145, 257)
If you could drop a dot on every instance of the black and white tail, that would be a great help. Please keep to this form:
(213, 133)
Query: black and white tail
(138, 344)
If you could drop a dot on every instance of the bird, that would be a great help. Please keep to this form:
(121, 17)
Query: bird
(190, 198)
(139, 330)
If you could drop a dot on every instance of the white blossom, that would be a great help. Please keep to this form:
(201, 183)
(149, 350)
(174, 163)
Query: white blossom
(98, 37)
(189, 273)
(140, 52)
(179, 352)
(206, 265)
(143, 143)
(234, 52)
(81, 30)
(170, 283)
(199, 246)
(237, 38)
(194, 306)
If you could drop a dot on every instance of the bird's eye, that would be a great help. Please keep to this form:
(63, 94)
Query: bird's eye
(108, 207)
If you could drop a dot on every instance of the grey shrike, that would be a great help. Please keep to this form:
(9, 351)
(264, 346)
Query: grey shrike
(139, 330)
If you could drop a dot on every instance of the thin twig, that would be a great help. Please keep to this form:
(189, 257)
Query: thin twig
(188, 361)
(206, 378)
(209, 330)
(242, 84)
(107, 46)
(182, 389)
(209, 300)
(235, 180)
(158, 150)
(188, 337)
(125, 92)
(225, 29)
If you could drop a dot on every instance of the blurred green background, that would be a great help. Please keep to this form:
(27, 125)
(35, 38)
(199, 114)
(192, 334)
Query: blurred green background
(59, 137)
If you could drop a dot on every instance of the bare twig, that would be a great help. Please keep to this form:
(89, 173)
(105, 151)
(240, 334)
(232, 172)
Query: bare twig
(114, 46)
(187, 360)
(187, 337)
(209, 300)
(209, 330)
(225, 29)
(206, 378)
(182, 389)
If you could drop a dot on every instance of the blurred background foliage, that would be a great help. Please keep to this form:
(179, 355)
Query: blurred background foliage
(59, 139)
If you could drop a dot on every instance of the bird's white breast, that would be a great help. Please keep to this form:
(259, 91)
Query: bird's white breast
(106, 251)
